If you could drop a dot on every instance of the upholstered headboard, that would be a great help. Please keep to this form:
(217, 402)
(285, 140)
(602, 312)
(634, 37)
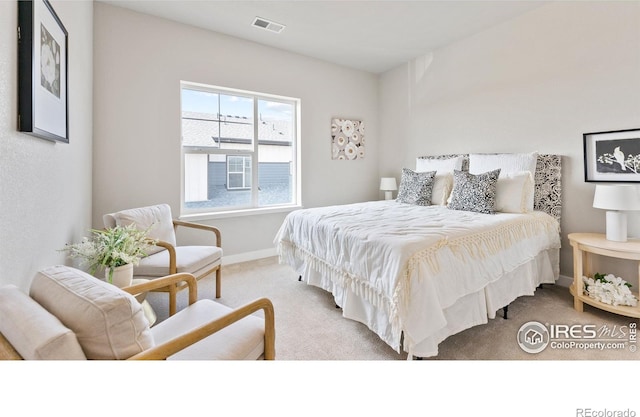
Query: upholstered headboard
(548, 181)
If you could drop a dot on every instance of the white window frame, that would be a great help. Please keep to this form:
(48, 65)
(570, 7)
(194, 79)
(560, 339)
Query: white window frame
(253, 207)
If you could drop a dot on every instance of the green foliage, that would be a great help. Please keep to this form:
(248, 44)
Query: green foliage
(111, 248)
(603, 278)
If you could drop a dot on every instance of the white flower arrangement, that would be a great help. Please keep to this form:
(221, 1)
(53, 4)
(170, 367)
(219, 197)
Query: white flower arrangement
(609, 289)
(111, 248)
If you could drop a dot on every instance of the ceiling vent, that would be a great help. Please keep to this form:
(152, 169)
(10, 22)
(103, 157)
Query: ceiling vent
(267, 25)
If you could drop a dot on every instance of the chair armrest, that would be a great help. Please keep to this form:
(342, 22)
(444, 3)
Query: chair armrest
(213, 229)
(7, 352)
(179, 343)
(165, 282)
(173, 263)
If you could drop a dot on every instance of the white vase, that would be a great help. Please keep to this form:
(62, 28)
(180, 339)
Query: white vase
(122, 275)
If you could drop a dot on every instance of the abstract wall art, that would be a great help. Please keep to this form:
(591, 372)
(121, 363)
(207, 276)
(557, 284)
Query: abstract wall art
(347, 139)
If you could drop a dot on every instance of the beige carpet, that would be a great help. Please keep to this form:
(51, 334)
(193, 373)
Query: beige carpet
(310, 327)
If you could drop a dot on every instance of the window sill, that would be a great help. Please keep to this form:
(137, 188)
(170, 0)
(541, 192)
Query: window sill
(239, 213)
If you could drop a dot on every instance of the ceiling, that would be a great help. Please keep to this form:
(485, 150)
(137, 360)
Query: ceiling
(373, 36)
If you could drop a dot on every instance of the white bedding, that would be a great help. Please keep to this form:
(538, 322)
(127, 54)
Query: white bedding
(404, 270)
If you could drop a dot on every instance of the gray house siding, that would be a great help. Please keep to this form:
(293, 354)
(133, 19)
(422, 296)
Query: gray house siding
(269, 173)
(275, 186)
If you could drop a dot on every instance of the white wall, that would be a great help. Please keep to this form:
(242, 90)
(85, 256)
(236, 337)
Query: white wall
(534, 83)
(45, 187)
(139, 62)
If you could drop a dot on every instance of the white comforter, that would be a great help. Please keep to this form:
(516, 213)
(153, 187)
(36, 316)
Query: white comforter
(411, 262)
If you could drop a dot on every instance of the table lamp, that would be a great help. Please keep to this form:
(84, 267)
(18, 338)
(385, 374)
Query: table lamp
(616, 199)
(388, 185)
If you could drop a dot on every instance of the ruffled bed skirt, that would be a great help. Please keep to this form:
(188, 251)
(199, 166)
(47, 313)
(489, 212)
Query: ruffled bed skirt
(379, 313)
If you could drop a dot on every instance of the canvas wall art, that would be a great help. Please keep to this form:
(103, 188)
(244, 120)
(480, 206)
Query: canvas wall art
(347, 139)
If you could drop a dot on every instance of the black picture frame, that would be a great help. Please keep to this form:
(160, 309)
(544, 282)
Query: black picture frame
(43, 87)
(612, 156)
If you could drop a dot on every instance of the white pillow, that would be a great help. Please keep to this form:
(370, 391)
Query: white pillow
(439, 165)
(33, 331)
(442, 185)
(509, 163)
(155, 218)
(108, 322)
(513, 192)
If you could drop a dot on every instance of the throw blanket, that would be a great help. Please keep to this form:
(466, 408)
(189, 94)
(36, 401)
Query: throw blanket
(412, 262)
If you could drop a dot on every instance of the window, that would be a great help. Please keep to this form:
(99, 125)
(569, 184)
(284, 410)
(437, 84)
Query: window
(240, 150)
(238, 172)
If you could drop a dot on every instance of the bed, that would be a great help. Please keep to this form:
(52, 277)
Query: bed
(425, 266)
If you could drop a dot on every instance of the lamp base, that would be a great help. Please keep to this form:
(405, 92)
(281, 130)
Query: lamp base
(388, 195)
(617, 226)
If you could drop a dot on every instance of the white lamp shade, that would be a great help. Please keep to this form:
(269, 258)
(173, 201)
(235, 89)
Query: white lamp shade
(388, 184)
(616, 197)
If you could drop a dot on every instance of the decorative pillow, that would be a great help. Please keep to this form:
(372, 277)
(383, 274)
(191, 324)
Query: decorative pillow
(508, 163)
(155, 218)
(474, 192)
(442, 184)
(415, 187)
(33, 331)
(513, 192)
(439, 165)
(108, 322)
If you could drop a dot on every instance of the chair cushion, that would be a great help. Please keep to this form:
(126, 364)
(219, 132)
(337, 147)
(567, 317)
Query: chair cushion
(155, 218)
(108, 322)
(243, 339)
(188, 259)
(33, 331)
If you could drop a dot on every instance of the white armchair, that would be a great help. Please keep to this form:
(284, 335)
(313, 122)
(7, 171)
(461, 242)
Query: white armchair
(69, 314)
(168, 257)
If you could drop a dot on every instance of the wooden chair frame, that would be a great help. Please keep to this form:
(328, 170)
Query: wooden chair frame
(7, 352)
(178, 343)
(173, 289)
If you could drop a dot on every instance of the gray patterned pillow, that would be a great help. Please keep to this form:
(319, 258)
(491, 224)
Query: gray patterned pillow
(416, 187)
(474, 192)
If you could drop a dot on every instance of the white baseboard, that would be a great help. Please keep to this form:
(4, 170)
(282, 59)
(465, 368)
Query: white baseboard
(248, 256)
(564, 281)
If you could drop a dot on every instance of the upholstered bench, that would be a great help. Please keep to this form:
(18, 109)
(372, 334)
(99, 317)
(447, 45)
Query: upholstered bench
(69, 314)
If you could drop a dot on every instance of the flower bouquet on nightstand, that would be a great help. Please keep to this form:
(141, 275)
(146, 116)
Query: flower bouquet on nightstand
(609, 289)
(115, 249)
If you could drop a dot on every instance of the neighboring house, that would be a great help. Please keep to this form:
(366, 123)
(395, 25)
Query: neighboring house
(227, 176)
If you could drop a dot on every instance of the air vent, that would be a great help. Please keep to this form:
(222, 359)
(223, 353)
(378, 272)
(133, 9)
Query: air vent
(267, 25)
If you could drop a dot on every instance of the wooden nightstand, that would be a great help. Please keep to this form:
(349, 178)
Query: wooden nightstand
(585, 244)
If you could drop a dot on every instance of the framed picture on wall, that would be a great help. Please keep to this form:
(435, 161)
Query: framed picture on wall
(612, 156)
(347, 139)
(43, 102)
